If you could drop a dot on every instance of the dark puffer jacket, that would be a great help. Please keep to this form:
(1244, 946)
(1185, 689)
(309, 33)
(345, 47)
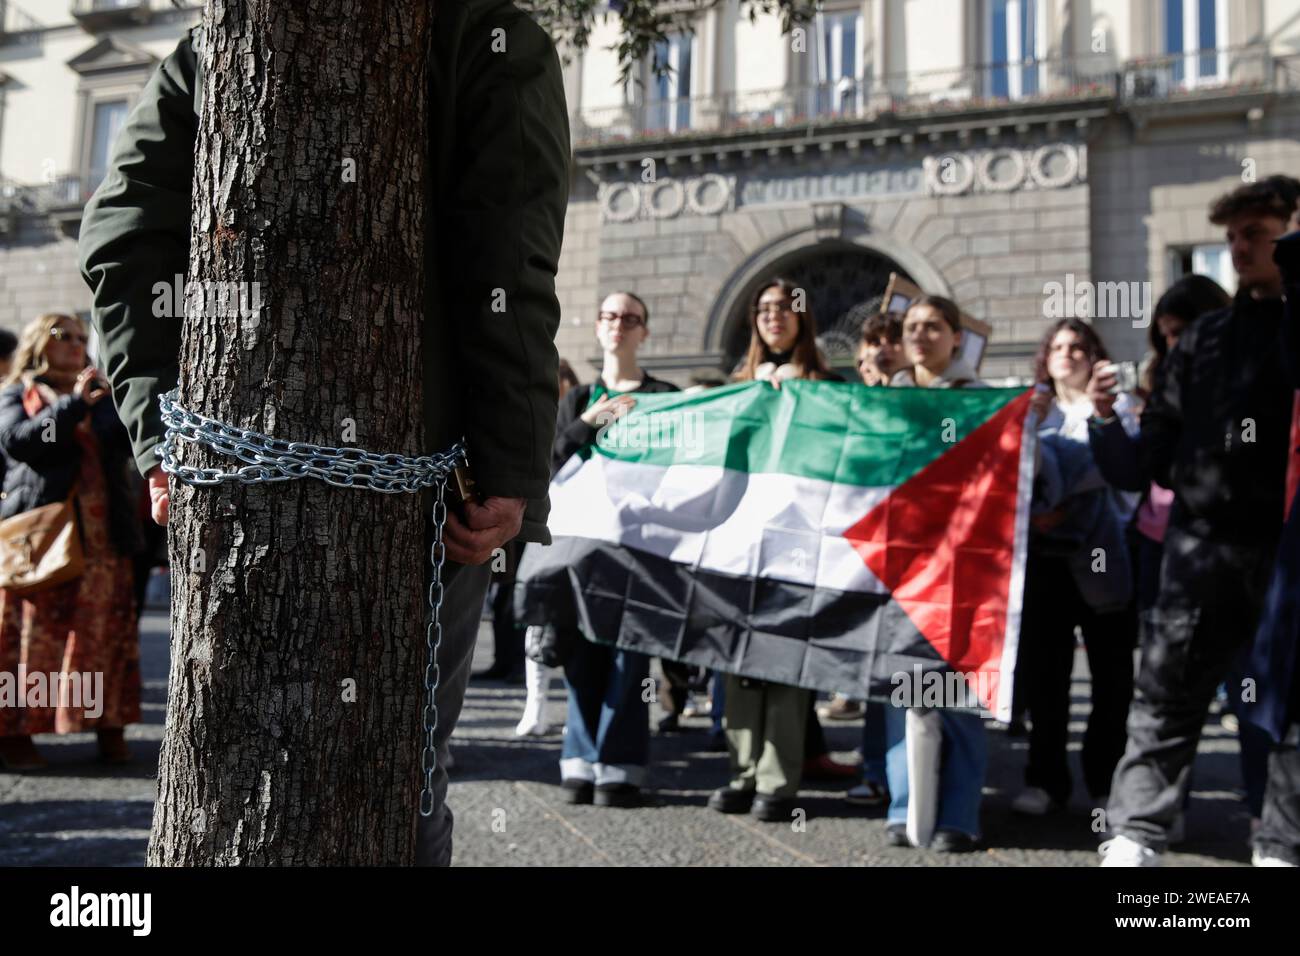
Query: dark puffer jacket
(42, 461)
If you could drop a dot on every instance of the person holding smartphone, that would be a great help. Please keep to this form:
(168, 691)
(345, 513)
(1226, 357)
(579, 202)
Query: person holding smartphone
(62, 438)
(1078, 575)
(1216, 431)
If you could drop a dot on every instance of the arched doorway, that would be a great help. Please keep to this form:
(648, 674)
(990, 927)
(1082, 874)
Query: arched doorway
(844, 284)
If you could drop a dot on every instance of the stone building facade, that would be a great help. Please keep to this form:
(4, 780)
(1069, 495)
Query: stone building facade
(989, 150)
(1090, 159)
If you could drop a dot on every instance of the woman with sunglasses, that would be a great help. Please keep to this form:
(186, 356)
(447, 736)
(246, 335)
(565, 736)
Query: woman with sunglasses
(61, 435)
(607, 730)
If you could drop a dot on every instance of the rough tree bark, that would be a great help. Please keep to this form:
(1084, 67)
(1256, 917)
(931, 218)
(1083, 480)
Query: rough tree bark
(284, 593)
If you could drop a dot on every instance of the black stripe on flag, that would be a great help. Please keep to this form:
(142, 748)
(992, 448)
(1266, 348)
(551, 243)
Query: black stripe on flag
(849, 642)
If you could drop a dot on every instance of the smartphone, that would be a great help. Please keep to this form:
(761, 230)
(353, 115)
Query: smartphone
(1126, 376)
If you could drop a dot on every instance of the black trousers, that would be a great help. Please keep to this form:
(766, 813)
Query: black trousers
(507, 636)
(1208, 608)
(1053, 608)
(677, 678)
(1279, 830)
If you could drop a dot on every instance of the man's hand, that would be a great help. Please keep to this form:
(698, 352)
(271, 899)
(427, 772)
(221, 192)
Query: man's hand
(1102, 389)
(159, 496)
(486, 527)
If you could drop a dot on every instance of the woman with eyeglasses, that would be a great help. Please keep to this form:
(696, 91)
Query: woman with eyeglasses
(607, 730)
(61, 436)
(773, 738)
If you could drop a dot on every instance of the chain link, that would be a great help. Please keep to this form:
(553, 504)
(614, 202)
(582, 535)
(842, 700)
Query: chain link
(268, 459)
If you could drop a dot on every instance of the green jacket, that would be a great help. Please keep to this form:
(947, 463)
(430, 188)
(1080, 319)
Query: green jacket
(500, 175)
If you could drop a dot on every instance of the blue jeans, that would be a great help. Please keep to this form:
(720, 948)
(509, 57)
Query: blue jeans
(718, 693)
(873, 742)
(963, 760)
(607, 731)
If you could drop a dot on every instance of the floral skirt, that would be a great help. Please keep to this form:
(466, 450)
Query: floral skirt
(70, 655)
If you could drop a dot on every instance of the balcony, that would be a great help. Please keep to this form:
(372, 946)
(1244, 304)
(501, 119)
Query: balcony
(95, 16)
(849, 100)
(966, 91)
(59, 202)
(15, 23)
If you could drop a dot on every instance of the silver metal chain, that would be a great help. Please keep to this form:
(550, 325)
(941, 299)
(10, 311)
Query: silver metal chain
(269, 459)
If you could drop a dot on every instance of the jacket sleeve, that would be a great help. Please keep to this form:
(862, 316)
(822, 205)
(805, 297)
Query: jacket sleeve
(134, 247)
(1116, 454)
(1291, 335)
(571, 432)
(31, 440)
(1162, 418)
(504, 215)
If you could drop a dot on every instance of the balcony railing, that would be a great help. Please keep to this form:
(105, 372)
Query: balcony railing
(1225, 72)
(963, 89)
(66, 194)
(13, 20)
(96, 15)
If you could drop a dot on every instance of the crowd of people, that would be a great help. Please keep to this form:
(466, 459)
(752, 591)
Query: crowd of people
(1179, 482)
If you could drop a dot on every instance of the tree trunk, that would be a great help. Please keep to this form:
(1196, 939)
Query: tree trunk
(287, 596)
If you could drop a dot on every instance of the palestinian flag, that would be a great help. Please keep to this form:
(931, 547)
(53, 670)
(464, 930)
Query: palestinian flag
(825, 535)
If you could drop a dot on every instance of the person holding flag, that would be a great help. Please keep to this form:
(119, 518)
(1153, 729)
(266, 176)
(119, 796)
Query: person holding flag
(931, 342)
(607, 730)
(766, 722)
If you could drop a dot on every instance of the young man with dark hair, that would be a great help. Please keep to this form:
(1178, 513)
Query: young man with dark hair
(1215, 431)
(880, 353)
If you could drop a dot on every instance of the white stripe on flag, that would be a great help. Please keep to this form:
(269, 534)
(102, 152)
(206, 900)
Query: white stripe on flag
(755, 525)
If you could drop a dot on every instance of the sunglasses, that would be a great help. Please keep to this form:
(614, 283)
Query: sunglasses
(62, 335)
(629, 320)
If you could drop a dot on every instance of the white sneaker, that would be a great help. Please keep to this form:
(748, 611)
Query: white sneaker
(1121, 851)
(1260, 859)
(1034, 802)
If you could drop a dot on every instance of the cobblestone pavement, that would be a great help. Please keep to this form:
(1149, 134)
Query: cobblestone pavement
(509, 812)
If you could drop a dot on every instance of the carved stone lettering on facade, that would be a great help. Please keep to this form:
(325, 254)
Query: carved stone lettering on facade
(1005, 169)
(707, 195)
(958, 173)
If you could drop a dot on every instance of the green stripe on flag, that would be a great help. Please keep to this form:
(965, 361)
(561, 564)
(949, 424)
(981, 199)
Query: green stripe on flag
(830, 431)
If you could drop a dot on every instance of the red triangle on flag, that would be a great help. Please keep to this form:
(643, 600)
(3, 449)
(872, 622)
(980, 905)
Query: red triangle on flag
(943, 543)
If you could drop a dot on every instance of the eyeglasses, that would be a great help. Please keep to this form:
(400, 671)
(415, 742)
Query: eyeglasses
(773, 308)
(629, 320)
(62, 335)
